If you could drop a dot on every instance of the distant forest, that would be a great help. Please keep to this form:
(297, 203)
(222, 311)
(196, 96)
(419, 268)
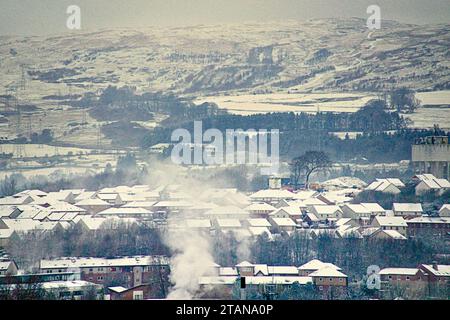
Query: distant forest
(382, 132)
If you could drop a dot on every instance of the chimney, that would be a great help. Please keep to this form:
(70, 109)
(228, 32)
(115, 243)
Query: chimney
(435, 266)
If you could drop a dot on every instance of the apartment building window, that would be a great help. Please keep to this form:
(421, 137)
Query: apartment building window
(100, 278)
(331, 279)
(407, 278)
(91, 269)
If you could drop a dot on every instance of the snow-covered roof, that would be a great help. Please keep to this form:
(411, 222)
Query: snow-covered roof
(61, 206)
(7, 211)
(373, 207)
(4, 265)
(26, 225)
(345, 182)
(107, 196)
(37, 193)
(347, 231)
(272, 193)
(29, 211)
(6, 233)
(342, 221)
(139, 204)
(437, 220)
(312, 217)
(432, 184)
(13, 201)
(124, 211)
(304, 194)
(444, 207)
(316, 264)
(383, 184)
(260, 206)
(259, 222)
(258, 280)
(221, 280)
(284, 222)
(390, 221)
(313, 201)
(229, 223)
(228, 271)
(366, 232)
(394, 234)
(283, 270)
(328, 272)
(425, 176)
(85, 195)
(91, 223)
(399, 271)
(173, 204)
(291, 211)
(326, 209)
(407, 207)
(357, 208)
(245, 264)
(118, 289)
(71, 285)
(442, 270)
(87, 262)
(443, 183)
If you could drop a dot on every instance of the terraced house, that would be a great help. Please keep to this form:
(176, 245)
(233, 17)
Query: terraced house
(126, 271)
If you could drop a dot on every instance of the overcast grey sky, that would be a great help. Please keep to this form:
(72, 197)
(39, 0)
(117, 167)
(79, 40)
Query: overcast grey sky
(49, 16)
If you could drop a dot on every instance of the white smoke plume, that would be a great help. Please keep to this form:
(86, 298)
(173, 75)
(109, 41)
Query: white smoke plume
(192, 250)
(192, 259)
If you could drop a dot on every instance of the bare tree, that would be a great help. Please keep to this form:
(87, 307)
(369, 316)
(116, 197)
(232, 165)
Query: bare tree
(308, 163)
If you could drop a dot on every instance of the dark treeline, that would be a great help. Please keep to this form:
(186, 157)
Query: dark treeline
(127, 172)
(376, 147)
(123, 104)
(351, 254)
(120, 240)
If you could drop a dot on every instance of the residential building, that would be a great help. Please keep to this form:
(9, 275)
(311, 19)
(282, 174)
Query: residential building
(432, 155)
(130, 271)
(435, 226)
(355, 211)
(282, 225)
(326, 212)
(407, 210)
(8, 268)
(389, 185)
(429, 183)
(390, 223)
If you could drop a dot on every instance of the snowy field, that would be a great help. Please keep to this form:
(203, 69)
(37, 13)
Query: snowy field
(247, 104)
